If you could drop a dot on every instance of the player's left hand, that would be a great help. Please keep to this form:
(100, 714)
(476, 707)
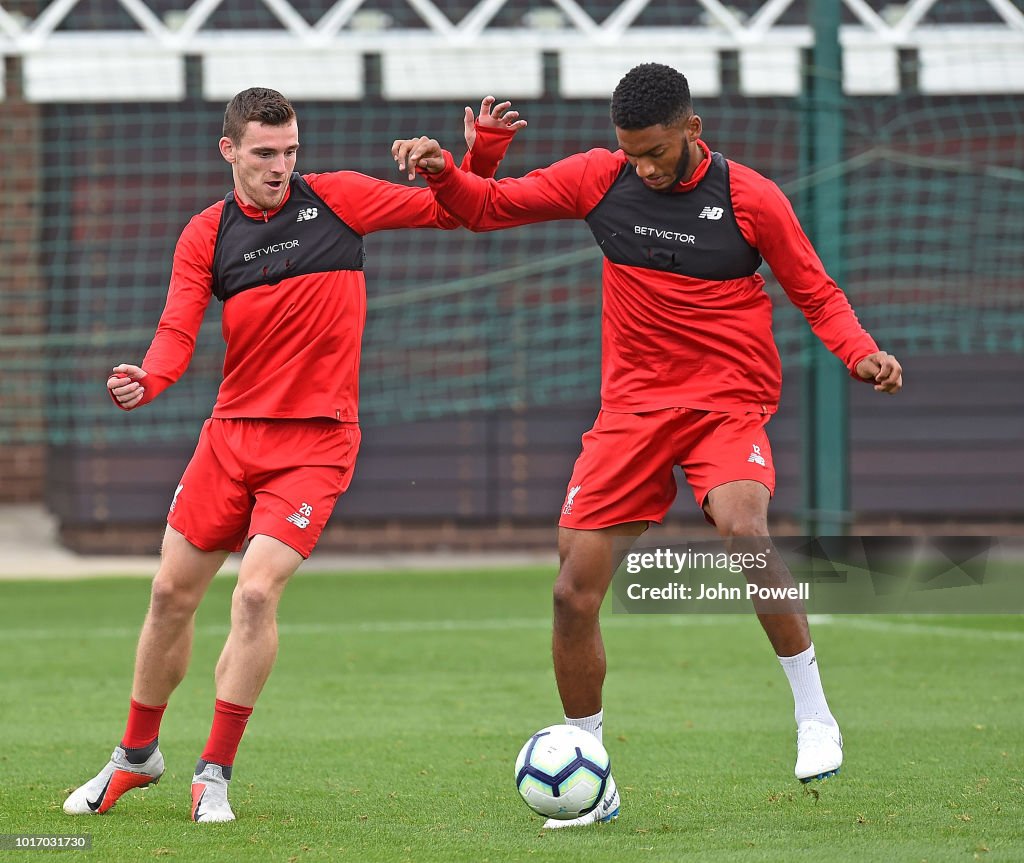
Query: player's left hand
(493, 115)
(884, 370)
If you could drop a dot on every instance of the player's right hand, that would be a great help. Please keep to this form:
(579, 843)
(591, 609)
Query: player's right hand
(422, 152)
(125, 386)
(493, 115)
(884, 369)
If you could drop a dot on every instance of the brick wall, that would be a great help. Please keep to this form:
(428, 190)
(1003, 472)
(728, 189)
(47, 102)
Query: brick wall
(22, 299)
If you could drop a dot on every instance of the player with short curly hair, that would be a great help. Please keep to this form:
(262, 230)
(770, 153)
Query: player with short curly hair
(690, 372)
(650, 95)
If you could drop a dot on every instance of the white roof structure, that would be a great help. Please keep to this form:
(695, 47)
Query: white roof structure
(445, 57)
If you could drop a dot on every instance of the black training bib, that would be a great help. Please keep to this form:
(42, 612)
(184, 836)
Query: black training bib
(687, 233)
(305, 236)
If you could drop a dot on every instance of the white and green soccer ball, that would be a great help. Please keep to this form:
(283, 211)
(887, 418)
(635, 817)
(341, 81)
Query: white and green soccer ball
(562, 772)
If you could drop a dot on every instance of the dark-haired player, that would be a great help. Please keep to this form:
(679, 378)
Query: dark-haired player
(690, 372)
(284, 254)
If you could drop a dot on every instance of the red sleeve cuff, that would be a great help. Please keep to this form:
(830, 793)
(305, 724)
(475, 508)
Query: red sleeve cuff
(441, 176)
(488, 151)
(853, 367)
(153, 384)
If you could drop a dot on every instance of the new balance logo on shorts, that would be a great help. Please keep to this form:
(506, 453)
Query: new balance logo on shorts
(567, 509)
(756, 456)
(300, 518)
(308, 214)
(713, 213)
(174, 500)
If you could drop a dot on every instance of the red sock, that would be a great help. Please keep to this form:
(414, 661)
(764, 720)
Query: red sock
(228, 726)
(143, 724)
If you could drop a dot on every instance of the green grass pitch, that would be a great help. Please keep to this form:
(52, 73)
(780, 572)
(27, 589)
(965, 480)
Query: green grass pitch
(390, 725)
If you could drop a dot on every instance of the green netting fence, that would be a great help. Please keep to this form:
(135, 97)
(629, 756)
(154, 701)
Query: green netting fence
(932, 248)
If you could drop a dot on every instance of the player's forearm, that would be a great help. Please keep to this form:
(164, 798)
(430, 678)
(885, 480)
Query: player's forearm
(488, 205)
(188, 296)
(459, 193)
(803, 277)
(166, 360)
(836, 325)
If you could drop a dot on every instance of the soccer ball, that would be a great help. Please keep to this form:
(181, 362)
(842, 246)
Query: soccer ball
(562, 772)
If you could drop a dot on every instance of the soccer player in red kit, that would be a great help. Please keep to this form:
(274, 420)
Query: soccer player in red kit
(283, 252)
(690, 371)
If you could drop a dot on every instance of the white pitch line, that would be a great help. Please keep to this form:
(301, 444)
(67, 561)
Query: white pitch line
(927, 629)
(638, 621)
(614, 621)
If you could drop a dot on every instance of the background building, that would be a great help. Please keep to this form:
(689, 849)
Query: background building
(481, 359)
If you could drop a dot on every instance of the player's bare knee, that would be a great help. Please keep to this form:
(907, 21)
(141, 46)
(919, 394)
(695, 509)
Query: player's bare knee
(574, 600)
(171, 600)
(738, 525)
(253, 603)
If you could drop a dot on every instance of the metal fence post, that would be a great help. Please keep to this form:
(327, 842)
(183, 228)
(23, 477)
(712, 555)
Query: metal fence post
(825, 422)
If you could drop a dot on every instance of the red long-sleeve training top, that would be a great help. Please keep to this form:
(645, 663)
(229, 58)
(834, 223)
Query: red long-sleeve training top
(293, 347)
(685, 320)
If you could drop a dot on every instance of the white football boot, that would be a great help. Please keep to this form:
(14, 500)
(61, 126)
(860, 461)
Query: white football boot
(210, 793)
(605, 811)
(101, 792)
(819, 750)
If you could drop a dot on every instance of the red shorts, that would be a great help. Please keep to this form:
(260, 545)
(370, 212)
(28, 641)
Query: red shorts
(278, 478)
(624, 473)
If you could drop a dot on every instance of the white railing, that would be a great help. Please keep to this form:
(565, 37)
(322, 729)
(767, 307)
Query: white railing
(448, 58)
